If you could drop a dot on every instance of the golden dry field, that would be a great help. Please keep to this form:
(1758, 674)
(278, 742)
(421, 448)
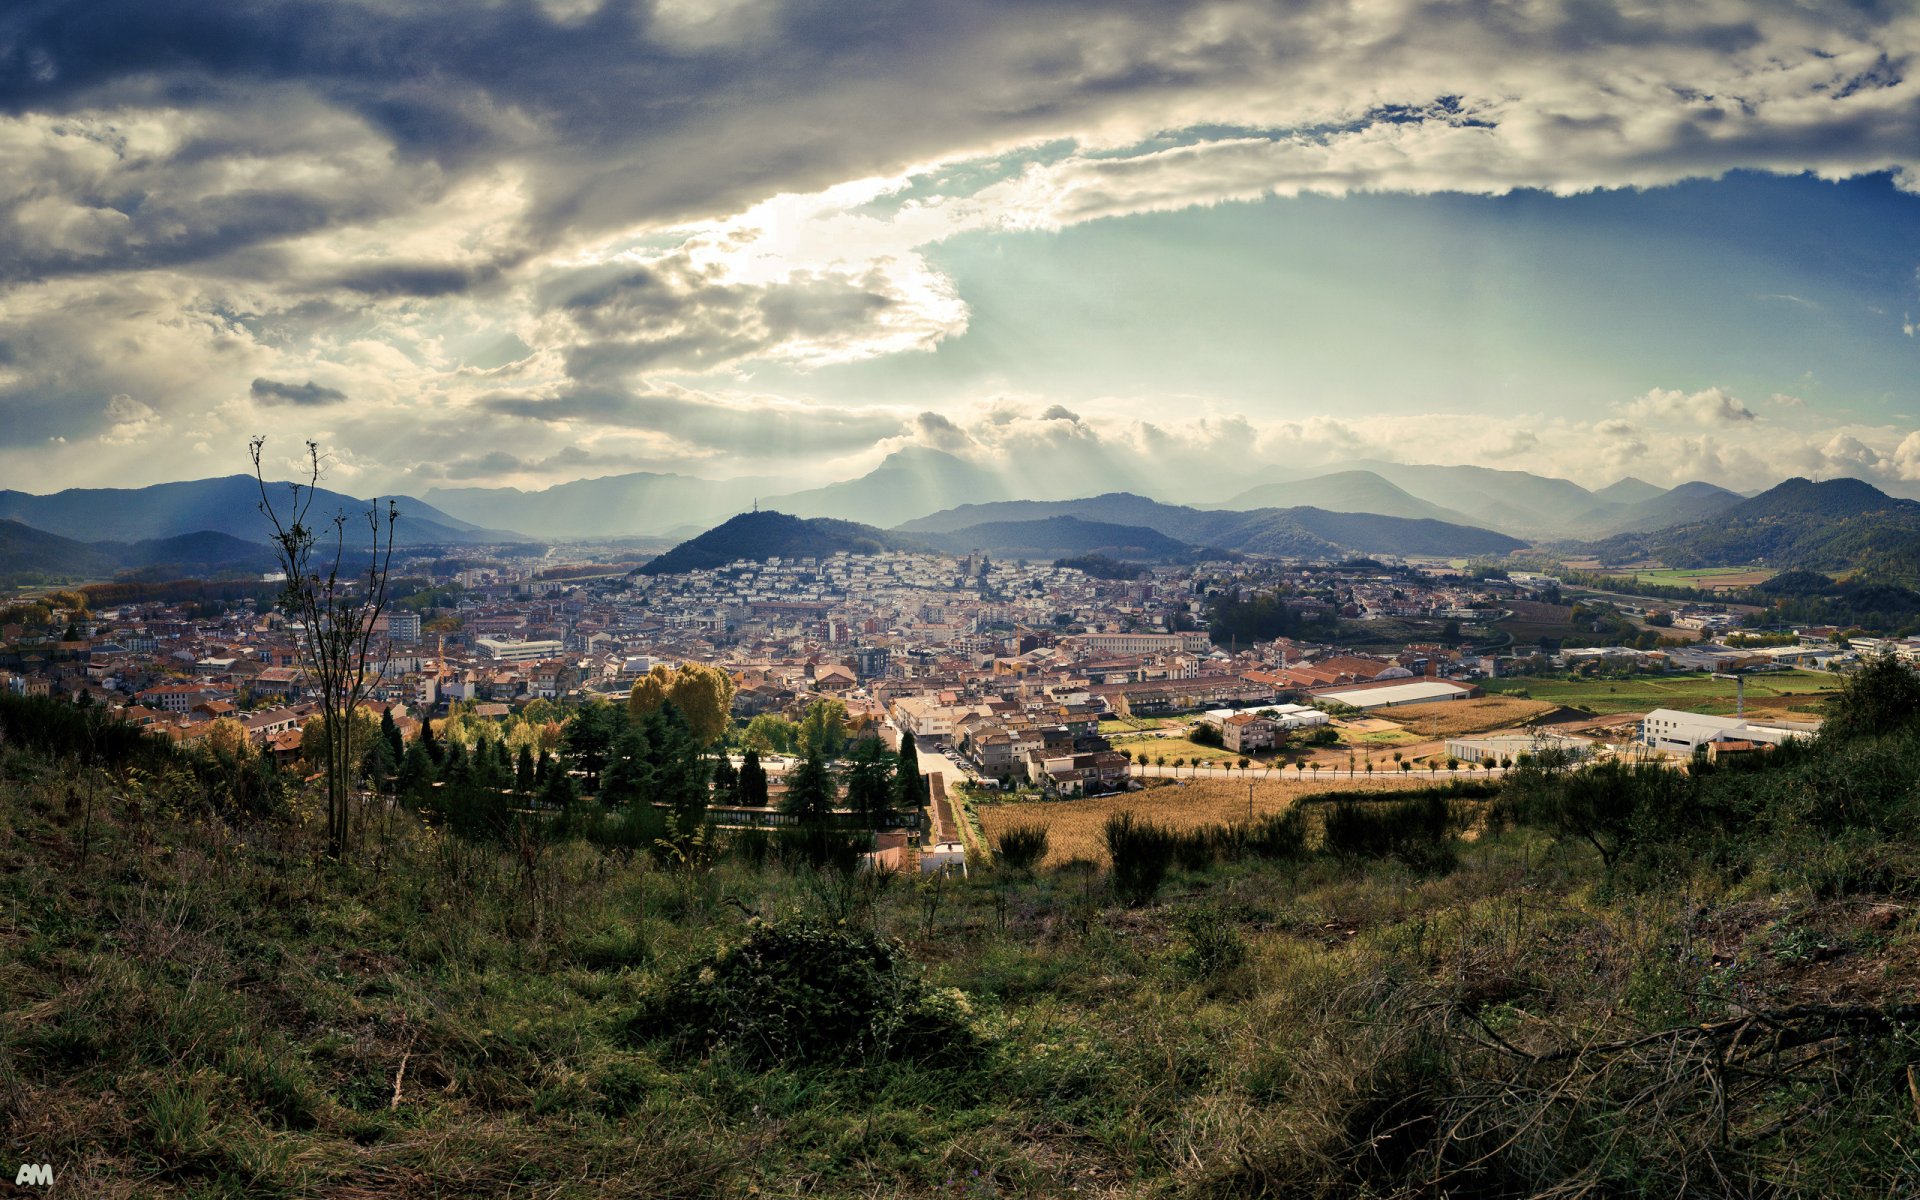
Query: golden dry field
(1455, 718)
(1074, 826)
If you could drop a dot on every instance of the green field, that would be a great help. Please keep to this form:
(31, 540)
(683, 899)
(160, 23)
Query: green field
(1705, 577)
(1691, 692)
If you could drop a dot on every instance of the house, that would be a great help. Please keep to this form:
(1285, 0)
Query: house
(1248, 733)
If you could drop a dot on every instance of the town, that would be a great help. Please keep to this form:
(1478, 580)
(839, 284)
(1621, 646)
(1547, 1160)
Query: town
(1033, 678)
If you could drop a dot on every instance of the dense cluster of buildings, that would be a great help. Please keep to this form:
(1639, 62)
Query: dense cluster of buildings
(1009, 665)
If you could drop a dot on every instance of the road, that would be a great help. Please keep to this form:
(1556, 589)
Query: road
(1262, 775)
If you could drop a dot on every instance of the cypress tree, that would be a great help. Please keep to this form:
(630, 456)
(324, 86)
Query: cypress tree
(753, 781)
(726, 780)
(434, 750)
(523, 778)
(390, 731)
(558, 792)
(909, 786)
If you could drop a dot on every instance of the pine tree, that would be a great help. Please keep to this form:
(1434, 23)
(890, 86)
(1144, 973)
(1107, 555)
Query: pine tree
(810, 791)
(628, 777)
(870, 782)
(680, 768)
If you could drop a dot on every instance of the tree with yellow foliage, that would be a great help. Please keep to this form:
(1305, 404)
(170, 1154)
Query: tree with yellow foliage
(703, 694)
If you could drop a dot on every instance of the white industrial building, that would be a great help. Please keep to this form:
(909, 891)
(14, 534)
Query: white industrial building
(1283, 716)
(1689, 733)
(1414, 691)
(1511, 746)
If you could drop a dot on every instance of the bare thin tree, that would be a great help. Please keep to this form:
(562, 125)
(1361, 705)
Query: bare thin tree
(337, 616)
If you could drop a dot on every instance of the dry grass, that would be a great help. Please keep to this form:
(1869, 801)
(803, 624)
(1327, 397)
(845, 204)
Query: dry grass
(1455, 718)
(1074, 826)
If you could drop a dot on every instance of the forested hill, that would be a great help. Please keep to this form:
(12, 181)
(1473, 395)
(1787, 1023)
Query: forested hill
(32, 555)
(1835, 526)
(757, 536)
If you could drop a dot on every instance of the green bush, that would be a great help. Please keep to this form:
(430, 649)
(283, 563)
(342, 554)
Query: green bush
(1214, 944)
(1279, 835)
(804, 992)
(1022, 847)
(1141, 851)
(1418, 832)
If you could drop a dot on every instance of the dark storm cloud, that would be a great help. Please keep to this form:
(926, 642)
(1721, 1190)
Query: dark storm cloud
(642, 112)
(308, 394)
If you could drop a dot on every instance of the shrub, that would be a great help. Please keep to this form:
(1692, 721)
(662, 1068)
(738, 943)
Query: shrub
(1279, 835)
(1418, 832)
(1141, 851)
(1214, 944)
(1022, 847)
(804, 992)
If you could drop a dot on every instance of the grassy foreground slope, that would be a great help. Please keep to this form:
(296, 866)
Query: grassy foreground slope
(1609, 984)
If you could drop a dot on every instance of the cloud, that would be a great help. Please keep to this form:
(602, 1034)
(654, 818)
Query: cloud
(1905, 459)
(203, 202)
(308, 394)
(706, 424)
(940, 432)
(128, 420)
(1708, 407)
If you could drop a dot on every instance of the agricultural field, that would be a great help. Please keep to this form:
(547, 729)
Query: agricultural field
(1456, 718)
(1706, 578)
(1074, 827)
(1779, 691)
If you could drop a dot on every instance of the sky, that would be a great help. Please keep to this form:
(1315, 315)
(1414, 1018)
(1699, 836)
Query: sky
(516, 242)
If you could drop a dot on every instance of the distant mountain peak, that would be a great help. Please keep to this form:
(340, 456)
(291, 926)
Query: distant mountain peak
(1630, 489)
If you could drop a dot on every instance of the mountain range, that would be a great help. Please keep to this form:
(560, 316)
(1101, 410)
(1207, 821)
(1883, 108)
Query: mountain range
(1300, 532)
(228, 505)
(1119, 525)
(917, 482)
(1839, 525)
